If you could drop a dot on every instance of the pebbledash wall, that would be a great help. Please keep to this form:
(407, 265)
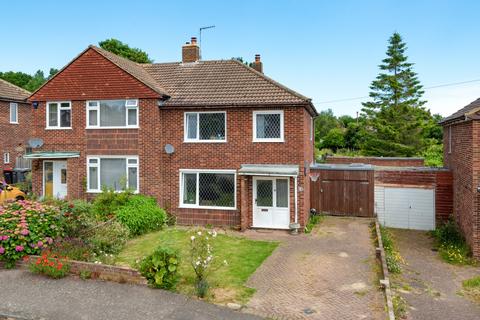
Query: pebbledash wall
(14, 137)
(377, 161)
(462, 157)
(159, 172)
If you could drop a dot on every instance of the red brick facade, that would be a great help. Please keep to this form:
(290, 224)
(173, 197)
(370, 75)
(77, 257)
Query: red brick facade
(14, 137)
(378, 161)
(91, 77)
(462, 157)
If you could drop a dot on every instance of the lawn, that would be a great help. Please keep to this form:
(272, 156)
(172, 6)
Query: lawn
(227, 283)
(471, 288)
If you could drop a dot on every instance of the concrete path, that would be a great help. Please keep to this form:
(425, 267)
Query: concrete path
(430, 285)
(329, 274)
(29, 296)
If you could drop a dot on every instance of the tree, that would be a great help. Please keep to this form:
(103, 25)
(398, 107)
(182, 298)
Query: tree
(334, 139)
(324, 122)
(395, 119)
(20, 79)
(122, 49)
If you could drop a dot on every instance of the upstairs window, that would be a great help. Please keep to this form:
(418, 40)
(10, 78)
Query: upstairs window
(13, 113)
(112, 114)
(205, 126)
(59, 115)
(268, 126)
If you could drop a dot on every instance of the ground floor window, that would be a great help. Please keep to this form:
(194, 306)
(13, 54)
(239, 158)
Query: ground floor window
(214, 189)
(115, 172)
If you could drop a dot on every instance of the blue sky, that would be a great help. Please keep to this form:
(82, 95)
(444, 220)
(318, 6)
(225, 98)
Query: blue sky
(327, 50)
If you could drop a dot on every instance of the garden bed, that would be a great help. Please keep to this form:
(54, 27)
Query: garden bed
(244, 256)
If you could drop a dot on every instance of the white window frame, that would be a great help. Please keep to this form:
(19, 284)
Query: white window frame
(450, 139)
(129, 104)
(14, 105)
(6, 157)
(197, 139)
(98, 165)
(282, 126)
(47, 111)
(197, 196)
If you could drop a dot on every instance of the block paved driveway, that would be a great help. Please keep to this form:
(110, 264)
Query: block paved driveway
(27, 296)
(329, 274)
(431, 286)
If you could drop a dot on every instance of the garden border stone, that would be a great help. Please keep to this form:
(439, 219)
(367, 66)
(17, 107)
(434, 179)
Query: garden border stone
(385, 282)
(98, 271)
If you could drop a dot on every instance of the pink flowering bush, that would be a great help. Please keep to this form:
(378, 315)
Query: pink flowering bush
(27, 227)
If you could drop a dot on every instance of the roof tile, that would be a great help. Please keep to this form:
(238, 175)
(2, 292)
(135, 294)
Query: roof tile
(10, 91)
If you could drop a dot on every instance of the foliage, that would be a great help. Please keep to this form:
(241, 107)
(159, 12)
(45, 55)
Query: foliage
(26, 227)
(161, 268)
(399, 307)
(334, 139)
(313, 221)
(85, 274)
(141, 214)
(471, 288)
(395, 119)
(124, 50)
(244, 256)
(51, 265)
(73, 248)
(76, 218)
(108, 201)
(391, 254)
(108, 238)
(433, 155)
(451, 244)
(26, 81)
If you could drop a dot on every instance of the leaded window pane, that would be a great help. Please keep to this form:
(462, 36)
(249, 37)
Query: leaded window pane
(212, 126)
(217, 190)
(264, 193)
(268, 126)
(189, 188)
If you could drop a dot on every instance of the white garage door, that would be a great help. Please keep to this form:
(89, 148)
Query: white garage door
(406, 208)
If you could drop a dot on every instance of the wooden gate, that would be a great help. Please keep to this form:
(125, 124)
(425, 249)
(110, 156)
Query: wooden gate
(343, 190)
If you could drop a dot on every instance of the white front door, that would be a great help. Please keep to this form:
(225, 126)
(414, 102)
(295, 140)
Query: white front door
(271, 203)
(55, 179)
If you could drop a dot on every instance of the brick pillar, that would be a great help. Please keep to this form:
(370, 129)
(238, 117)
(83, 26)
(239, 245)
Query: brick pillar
(243, 203)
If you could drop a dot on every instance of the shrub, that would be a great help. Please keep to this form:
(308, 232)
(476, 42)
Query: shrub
(107, 202)
(451, 244)
(73, 248)
(108, 238)
(26, 227)
(77, 218)
(392, 256)
(313, 221)
(161, 268)
(51, 265)
(141, 214)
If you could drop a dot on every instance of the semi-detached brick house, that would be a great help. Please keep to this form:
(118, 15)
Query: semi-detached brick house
(15, 125)
(461, 143)
(216, 142)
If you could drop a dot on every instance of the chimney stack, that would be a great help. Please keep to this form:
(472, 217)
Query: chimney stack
(257, 64)
(191, 51)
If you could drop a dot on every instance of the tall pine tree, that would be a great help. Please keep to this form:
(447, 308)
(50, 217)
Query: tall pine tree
(395, 118)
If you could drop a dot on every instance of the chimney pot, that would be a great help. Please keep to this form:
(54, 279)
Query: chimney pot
(191, 51)
(257, 64)
(194, 40)
(257, 58)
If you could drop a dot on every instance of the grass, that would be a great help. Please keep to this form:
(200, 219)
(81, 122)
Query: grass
(392, 255)
(313, 221)
(243, 255)
(451, 244)
(471, 288)
(399, 307)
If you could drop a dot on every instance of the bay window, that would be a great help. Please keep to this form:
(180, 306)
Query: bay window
(116, 172)
(112, 114)
(212, 189)
(59, 115)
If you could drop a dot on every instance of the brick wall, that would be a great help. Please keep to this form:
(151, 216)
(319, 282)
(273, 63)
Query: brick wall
(463, 161)
(378, 161)
(14, 137)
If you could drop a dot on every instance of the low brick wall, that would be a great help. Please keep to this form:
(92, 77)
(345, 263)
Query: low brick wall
(98, 271)
(378, 161)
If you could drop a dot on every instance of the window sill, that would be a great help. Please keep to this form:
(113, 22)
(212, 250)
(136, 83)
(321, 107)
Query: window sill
(269, 140)
(13, 122)
(205, 141)
(182, 206)
(58, 128)
(110, 128)
(100, 191)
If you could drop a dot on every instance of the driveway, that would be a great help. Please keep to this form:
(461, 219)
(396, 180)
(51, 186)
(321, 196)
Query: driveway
(431, 286)
(329, 274)
(27, 296)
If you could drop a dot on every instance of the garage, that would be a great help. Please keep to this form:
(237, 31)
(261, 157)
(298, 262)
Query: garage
(405, 208)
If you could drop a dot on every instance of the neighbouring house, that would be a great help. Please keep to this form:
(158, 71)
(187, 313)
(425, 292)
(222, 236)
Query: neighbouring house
(461, 150)
(15, 126)
(216, 142)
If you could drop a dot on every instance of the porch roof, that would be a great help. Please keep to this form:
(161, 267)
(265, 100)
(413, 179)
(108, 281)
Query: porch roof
(268, 170)
(52, 155)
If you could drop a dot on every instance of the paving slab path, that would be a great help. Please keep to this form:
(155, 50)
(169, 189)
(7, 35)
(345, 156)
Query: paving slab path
(329, 274)
(27, 296)
(431, 287)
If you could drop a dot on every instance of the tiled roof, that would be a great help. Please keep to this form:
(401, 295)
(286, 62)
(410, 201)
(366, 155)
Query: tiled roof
(462, 112)
(133, 68)
(220, 82)
(9, 91)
